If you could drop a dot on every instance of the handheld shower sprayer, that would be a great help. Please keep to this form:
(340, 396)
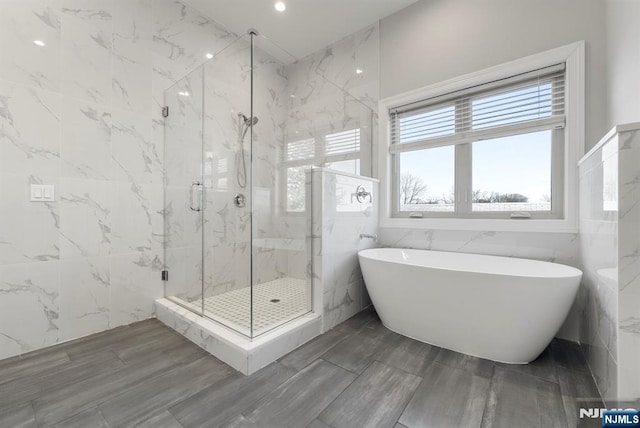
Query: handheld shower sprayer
(244, 124)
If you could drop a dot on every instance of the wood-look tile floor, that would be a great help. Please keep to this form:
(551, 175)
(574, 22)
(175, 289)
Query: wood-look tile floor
(357, 375)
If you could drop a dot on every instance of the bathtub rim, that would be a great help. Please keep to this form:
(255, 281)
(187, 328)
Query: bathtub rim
(562, 270)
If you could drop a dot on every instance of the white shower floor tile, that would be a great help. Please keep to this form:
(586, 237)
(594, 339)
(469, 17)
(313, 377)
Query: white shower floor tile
(274, 303)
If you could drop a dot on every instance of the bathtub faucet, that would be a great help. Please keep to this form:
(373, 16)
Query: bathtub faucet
(368, 236)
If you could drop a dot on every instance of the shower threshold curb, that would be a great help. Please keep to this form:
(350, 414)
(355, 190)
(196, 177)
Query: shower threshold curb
(245, 355)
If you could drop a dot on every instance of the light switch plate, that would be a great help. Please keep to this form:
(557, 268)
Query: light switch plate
(43, 193)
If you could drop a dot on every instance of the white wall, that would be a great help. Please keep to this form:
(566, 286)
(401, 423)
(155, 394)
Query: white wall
(83, 113)
(623, 61)
(435, 40)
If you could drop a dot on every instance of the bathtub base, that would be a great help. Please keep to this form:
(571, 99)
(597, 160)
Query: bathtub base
(497, 308)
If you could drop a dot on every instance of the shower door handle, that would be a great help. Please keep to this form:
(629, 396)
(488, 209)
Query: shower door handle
(193, 206)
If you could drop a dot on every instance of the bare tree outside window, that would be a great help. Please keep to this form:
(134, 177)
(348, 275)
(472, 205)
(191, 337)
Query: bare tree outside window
(412, 189)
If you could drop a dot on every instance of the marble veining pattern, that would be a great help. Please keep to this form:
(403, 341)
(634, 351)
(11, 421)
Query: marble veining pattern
(629, 264)
(95, 90)
(610, 255)
(337, 224)
(91, 259)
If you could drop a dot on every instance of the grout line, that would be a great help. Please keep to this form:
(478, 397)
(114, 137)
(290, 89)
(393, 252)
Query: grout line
(102, 414)
(337, 396)
(337, 365)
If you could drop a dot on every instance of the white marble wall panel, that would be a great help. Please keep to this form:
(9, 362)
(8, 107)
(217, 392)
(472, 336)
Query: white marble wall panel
(25, 148)
(554, 247)
(22, 61)
(85, 285)
(599, 260)
(82, 113)
(29, 307)
(132, 42)
(610, 244)
(86, 140)
(85, 218)
(629, 265)
(134, 287)
(85, 50)
(352, 64)
(338, 220)
(136, 156)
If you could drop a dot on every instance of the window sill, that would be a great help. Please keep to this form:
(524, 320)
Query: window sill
(498, 225)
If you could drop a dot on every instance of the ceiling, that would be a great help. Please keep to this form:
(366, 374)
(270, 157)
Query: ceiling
(305, 26)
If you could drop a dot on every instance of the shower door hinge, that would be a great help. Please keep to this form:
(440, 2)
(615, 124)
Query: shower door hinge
(165, 111)
(165, 275)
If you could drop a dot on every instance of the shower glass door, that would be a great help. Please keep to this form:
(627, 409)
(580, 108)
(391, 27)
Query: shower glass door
(281, 277)
(184, 191)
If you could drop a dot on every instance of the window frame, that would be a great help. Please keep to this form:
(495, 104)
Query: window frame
(463, 185)
(567, 147)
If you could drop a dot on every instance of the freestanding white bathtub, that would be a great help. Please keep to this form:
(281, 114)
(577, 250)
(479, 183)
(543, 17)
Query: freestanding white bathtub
(500, 308)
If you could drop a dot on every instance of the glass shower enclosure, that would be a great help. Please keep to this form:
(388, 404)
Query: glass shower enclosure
(233, 252)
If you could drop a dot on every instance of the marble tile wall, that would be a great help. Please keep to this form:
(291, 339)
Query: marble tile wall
(325, 93)
(82, 112)
(599, 261)
(610, 256)
(338, 219)
(337, 88)
(629, 264)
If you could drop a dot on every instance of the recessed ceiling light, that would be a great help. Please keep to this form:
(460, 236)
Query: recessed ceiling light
(183, 93)
(38, 42)
(359, 71)
(280, 6)
(209, 56)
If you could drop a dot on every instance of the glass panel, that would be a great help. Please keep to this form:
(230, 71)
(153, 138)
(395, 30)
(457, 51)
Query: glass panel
(512, 173)
(281, 289)
(426, 180)
(227, 179)
(183, 191)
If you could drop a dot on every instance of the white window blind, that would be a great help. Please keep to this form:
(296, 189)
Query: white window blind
(527, 102)
(300, 149)
(342, 142)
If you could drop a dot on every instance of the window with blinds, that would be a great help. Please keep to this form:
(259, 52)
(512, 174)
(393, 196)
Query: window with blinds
(342, 142)
(336, 150)
(526, 102)
(300, 149)
(490, 150)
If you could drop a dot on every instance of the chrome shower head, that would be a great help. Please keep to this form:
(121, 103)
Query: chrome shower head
(249, 121)
(245, 124)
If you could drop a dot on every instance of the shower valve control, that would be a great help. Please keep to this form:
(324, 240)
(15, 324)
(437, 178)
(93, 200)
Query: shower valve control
(239, 200)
